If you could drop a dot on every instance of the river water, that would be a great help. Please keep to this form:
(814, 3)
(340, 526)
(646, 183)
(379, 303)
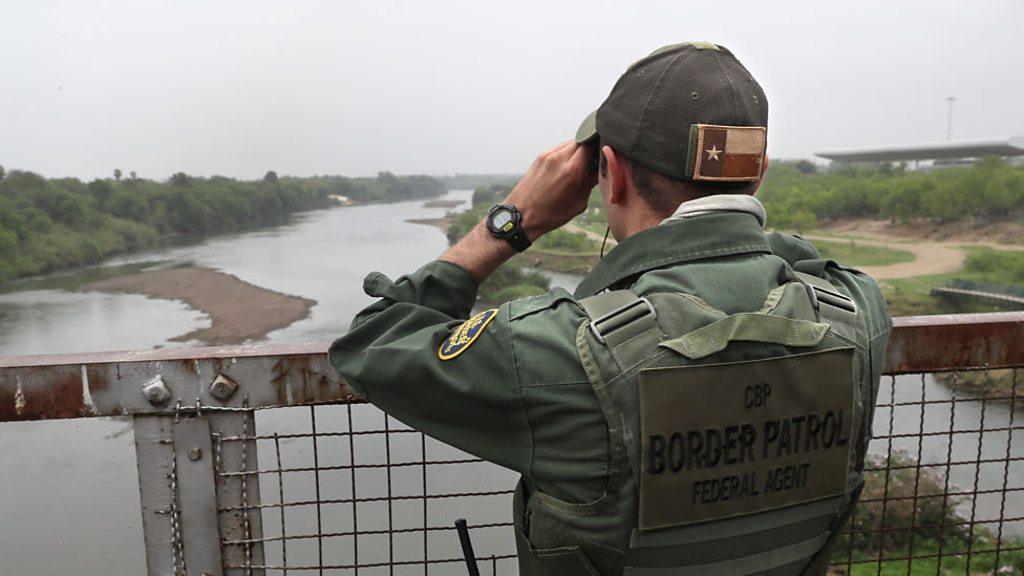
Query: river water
(68, 502)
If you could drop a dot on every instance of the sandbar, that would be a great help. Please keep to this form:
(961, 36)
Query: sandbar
(239, 311)
(443, 203)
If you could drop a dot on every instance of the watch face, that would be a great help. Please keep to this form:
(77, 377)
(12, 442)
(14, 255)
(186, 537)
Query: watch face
(502, 220)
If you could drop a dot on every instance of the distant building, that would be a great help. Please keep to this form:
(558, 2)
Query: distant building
(935, 154)
(343, 200)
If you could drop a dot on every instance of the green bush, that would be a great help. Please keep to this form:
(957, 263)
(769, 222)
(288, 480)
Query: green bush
(510, 282)
(797, 197)
(565, 240)
(997, 266)
(487, 196)
(517, 292)
(461, 223)
(934, 516)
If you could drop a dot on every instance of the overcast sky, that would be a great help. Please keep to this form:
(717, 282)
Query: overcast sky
(238, 88)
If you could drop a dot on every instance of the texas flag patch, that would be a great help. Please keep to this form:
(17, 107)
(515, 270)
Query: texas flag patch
(726, 153)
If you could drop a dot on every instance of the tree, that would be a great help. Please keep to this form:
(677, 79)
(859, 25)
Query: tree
(133, 175)
(62, 205)
(180, 180)
(2, 173)
(130, 205)
(8, 240)
(101, 190)
(117, 174)
(270, 176)
(806, 166)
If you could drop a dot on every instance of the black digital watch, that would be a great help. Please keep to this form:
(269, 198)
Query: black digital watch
(504, 221)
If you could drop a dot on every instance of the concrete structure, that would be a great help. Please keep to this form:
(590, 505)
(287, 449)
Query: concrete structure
(953, 152)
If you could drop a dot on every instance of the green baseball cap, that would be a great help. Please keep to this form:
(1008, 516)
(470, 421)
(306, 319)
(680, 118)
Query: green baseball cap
(690, 111)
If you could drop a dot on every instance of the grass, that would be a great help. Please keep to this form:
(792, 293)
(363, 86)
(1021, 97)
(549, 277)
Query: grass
(591, 226)
(912, 296)
(569, 251)
(566, 263)
(854, 254)
(827, 233)
(982, 560)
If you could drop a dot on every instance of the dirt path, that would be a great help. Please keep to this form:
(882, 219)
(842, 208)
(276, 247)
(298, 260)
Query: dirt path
(238, 311)
(930, 256)
(570, 227)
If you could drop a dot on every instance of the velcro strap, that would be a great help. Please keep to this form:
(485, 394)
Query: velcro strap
(749, 327)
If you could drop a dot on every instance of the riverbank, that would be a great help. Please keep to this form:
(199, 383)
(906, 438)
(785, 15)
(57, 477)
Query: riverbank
(997, 385)
(443, 203)
(563, 261)
(50, 225)
(238, 311)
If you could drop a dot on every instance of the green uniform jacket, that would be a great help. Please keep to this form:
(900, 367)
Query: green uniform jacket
(517, 395)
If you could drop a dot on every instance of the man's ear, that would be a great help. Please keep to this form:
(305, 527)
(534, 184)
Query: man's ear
(616, 175)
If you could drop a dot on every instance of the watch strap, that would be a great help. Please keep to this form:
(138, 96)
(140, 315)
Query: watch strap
(518, 240)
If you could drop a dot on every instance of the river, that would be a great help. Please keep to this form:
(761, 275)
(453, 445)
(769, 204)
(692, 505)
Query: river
(69, 500)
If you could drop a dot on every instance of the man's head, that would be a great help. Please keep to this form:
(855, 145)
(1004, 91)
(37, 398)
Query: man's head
(684, 122)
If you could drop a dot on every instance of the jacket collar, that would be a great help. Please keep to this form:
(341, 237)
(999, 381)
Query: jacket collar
(719, 203)
(711, 235)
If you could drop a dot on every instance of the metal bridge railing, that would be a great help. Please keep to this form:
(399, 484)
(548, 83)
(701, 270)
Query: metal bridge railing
(259, 460)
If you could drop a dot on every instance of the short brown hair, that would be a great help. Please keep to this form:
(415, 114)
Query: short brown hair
(664, 193)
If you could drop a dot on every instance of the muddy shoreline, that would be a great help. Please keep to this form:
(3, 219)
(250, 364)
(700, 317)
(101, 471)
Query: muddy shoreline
(443, 203)
(239, 312)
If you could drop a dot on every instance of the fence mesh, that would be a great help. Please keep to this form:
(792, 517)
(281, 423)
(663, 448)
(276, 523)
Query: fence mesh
(348, 490)
(943, 491)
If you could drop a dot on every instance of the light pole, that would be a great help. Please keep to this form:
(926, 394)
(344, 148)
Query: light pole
(949, 118)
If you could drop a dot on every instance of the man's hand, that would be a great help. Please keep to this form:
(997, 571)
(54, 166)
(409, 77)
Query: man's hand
(553, 191)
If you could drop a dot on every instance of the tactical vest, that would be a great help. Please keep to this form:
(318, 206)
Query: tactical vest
(733, 439)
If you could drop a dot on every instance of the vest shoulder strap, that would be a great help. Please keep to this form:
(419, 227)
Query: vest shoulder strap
(832, 306)
(625, 323)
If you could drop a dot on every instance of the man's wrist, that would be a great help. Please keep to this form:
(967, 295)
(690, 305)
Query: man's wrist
(479, 253)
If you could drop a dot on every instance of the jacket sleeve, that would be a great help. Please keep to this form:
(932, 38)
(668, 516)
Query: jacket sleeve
(391, 357)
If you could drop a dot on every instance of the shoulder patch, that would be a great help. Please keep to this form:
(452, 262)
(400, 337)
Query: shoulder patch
(465, 335)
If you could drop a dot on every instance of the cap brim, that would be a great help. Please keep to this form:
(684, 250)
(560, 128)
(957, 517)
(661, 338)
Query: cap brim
(588, 129)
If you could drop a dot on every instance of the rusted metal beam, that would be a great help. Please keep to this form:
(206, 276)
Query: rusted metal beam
(113, 383)
(944, 343)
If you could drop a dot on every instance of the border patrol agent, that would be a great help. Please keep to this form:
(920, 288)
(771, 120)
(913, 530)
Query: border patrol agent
(702, 404)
